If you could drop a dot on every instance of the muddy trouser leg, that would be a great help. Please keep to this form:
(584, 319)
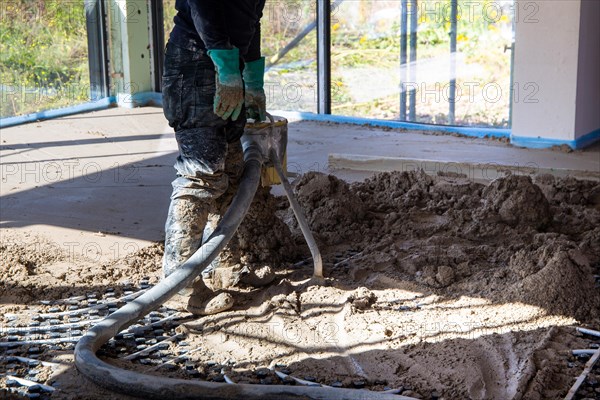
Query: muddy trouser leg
(234, 165)
(185, 219)
(219, 276)
(194, 192)
(202, 138)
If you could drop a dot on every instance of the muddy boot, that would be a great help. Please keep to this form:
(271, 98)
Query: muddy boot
(258, 277)
(183, 230)
(204, 301)
(228, 277)
(223, 277)
(178, 302)
(211, 224)
(183, 234)
(234, 165)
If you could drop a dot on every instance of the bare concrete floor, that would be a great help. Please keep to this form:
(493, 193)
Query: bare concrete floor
(98, 184)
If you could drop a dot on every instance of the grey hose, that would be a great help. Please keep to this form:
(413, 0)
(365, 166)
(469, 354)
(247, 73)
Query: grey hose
(308, 236)
(157, 387)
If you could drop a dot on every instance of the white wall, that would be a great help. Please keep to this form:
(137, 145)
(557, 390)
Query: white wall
(588, 77)
(546, 60)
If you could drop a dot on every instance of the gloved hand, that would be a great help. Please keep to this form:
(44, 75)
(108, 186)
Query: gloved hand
(229, 97)
(255, 98)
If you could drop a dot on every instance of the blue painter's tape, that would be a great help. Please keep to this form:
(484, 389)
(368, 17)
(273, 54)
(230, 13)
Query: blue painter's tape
(542, 143)
(472, 131)
(101, 104)
(587, 139)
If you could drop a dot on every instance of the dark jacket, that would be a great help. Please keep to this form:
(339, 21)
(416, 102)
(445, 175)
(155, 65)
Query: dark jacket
(219, 24)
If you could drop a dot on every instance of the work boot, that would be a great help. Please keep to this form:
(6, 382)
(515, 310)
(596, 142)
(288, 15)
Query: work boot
(258, 277)
(183, 230)
(225, 277)
(200, 300)
(211, 224)
(204, 302)
(183, 235)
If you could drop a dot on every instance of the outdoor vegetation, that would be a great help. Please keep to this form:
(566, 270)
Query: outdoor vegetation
(43, 53)
(366, 71)
(367, 40)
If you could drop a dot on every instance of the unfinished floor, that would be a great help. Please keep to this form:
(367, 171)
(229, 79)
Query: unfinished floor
(442, 285)
(100, 182)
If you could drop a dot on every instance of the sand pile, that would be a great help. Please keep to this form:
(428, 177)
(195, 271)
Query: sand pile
(331, 205)
(436, 285)
(506, 241)
(33, 268)
(262, 238)
(515, 201)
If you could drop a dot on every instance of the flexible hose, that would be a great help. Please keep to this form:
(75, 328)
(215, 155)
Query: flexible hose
(308, 236)
(157, 387)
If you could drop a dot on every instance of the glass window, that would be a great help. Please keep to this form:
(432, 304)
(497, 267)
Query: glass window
(289, 43)
(375, 76)
(43, 55)
(372, 77)
(169, 13)
(289, 46)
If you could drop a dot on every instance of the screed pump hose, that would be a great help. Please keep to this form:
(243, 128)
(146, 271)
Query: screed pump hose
(157, 387)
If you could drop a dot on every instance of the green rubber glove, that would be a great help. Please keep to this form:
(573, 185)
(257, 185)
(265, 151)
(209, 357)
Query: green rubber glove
(255, 99)
(229, 97)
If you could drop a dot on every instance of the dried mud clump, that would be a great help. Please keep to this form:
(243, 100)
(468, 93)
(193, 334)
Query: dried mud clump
(456, 194)
(333, 211)
(515, 200)
(437, 277)
(590, 244)
(362, 298)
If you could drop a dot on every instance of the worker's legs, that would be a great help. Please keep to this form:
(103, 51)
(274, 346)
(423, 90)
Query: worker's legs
(234, 165)
(186, 218)
(202, 138)
(200, 181)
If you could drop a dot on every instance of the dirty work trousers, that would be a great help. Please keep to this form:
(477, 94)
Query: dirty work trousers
(210, 160)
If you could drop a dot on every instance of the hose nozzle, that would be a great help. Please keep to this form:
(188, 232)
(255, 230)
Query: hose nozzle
(268, 136)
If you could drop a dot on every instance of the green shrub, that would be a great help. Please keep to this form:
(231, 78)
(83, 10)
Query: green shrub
(43, 54)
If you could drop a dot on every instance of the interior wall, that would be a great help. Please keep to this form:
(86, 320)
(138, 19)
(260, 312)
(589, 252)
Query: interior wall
(588, 78)
(545, 70)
